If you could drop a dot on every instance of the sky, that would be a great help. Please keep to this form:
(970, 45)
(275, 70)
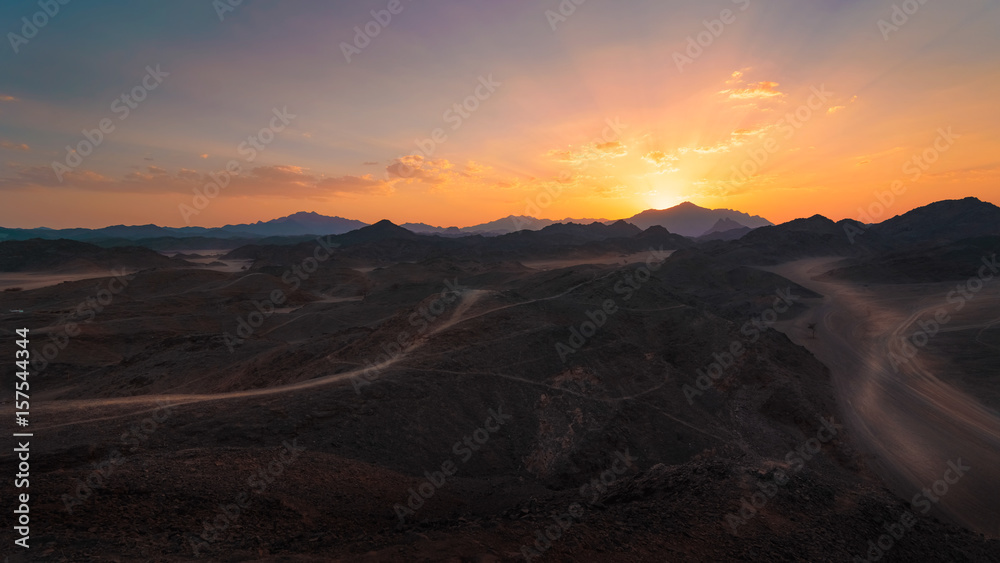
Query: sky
(454, 113)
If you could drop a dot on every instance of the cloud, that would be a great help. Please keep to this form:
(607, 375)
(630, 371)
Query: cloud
(661, 160)
(990, 174)
(8, 99)
(737, 76)
(755, 91)
(715, 149)
(279, 180)
(415, 167)
(437, 173)
(731, 187)
(561, 155)
(353, 185)
(612, 191)
(14, 146)
(188, 174)
(43, 176)
(763, 90)
(868, 158)
(151, 173)
(284, 174)
(591, 152)
(836, 109)
(473, 168)
(737, 138)
(612, 148)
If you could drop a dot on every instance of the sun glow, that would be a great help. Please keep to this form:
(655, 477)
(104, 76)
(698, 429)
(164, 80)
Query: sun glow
(664, 198)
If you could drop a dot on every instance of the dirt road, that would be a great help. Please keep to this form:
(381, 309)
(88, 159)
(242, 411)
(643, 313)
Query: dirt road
(902, 413)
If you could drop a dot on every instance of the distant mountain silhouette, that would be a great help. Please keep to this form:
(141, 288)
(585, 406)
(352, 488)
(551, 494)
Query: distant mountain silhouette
(301, 223)
(691, 220)
(940, 222)
(723, 225)
(298, 224)
(734, 234)
(509, 224)
(686, 219)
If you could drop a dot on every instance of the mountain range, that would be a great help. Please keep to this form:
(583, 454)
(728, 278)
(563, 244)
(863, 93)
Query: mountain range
(686, 219)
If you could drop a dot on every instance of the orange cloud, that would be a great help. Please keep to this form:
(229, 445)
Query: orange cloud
(353, 185)
(661, 160)
(755, 91)
(437, 173)
(762, 90)
(737, 76)
(281, 180)
(14, 146)
(590, 152)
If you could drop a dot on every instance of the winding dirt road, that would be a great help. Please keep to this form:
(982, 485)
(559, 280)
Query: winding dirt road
(91, 410)
(903, 414)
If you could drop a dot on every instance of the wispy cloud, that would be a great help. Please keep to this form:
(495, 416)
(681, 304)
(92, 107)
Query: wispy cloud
(279, 180)
(740, 90)
(14, 146)
(591, 152)
(663, 161)
(755, 91)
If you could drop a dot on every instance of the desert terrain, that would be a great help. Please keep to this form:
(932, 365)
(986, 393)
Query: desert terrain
(534, 397)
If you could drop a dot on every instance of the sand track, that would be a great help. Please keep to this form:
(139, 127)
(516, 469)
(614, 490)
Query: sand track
(910, 420)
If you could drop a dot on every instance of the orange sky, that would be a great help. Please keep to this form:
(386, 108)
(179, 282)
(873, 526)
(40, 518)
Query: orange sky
(601, 113)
